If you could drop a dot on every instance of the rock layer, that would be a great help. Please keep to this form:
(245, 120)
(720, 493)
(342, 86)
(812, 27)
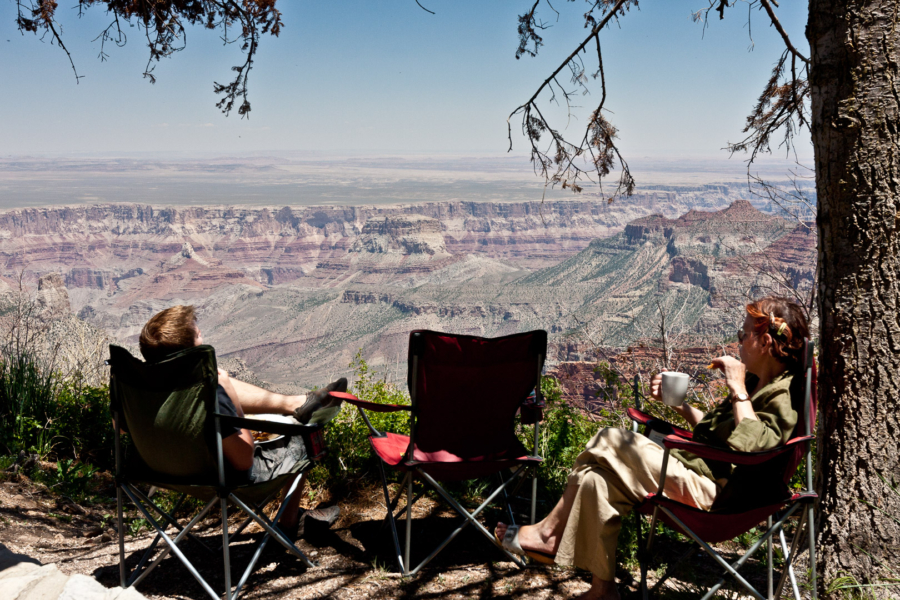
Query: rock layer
(294, 292)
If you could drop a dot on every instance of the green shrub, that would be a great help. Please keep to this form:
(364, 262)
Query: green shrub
(73, 479)
(349, 454)
(564, 433)
(83, 428)
(27, 405)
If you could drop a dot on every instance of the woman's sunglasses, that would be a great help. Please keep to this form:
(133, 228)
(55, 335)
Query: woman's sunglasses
(741, 335)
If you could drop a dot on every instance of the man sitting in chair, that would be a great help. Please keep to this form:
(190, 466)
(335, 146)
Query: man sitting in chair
(176, 329)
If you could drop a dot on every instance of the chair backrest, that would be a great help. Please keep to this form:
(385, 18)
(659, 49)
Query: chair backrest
(465, 390)
(755, 485)
(804, 396)
(167, 408)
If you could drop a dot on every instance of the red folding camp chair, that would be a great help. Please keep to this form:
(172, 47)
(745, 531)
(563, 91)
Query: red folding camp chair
(736, 511)
(465, 392)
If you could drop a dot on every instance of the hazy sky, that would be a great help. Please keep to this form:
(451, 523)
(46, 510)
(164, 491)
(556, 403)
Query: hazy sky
(387, 77)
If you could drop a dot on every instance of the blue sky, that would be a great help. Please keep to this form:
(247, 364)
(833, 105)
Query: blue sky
(387, 77)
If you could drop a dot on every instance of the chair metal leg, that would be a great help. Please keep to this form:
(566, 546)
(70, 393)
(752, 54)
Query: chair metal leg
(789, 559)
(262, 543)
(645, 593)
(651, 533)
(770, 572)
(512, 518)
(671, 568)
(392, 504)
(173, 546)
(790, 569)
(168, 518)
(811, 526)
(468, 518)
(259, 550)
(642, 555)
(731, 569)
(120, 527)
(408, 504)
(246, 522)
(138, 576)
(272, 529)
(408, 533)
(225, 550)
(390, 517)
(135, 574)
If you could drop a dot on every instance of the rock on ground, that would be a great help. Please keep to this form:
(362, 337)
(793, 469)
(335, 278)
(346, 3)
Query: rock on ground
(24, 578)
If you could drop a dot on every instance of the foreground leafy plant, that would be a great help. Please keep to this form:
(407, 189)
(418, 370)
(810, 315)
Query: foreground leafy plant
(27, 404)
(73, 479)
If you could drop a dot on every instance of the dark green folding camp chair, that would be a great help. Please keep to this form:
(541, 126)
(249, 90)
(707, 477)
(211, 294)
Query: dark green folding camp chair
(169, 409)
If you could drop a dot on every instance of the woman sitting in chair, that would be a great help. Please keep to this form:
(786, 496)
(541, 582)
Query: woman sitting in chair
(619, 468)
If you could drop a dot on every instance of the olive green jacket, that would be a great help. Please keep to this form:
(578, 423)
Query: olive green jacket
(777, 419)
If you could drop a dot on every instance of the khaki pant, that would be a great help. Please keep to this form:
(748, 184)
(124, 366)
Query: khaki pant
(614, 473)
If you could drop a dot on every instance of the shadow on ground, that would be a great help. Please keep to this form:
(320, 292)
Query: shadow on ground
(358, 561)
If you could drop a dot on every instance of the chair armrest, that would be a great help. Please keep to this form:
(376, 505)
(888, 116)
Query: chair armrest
(268, 426)
(658, 424)
(731, 456)
(365, 404)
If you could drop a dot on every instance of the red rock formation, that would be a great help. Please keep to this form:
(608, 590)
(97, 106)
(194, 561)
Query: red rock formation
(580, 380)
(103, 241)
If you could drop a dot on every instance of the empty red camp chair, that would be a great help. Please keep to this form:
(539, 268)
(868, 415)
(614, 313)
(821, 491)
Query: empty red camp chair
(736, 511)
(465, 392)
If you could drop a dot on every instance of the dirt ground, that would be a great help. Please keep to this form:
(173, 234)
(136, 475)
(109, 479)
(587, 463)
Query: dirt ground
(354, 556)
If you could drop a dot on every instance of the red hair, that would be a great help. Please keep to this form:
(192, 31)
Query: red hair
(785, 321)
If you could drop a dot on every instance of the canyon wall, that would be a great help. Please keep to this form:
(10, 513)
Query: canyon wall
(296, 291)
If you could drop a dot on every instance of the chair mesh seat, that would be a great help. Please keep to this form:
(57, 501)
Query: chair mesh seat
(715, 527)
(446, 466)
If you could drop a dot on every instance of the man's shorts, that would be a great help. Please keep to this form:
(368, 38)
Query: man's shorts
(274, 459)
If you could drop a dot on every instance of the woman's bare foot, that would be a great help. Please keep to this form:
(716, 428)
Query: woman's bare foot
(600, 590)
(533, 537)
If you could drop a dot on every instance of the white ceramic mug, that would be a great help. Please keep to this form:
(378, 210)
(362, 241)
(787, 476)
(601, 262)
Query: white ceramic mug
(674, 387)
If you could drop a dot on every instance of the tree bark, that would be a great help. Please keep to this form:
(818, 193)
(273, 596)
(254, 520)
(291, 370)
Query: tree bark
(855, 53)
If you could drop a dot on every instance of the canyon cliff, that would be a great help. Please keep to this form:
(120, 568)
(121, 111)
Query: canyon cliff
(294, 292)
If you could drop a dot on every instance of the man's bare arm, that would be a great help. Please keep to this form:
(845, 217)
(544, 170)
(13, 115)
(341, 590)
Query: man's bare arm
(237, 447)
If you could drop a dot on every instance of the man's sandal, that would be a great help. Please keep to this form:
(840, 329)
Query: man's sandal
(510, 543)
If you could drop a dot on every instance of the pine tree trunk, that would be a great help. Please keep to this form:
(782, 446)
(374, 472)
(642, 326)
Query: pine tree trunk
(855, 53)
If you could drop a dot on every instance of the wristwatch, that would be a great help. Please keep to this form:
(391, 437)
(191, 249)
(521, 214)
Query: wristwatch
(740, 397)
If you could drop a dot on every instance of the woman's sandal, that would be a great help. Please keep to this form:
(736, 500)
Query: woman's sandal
(510, 543)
